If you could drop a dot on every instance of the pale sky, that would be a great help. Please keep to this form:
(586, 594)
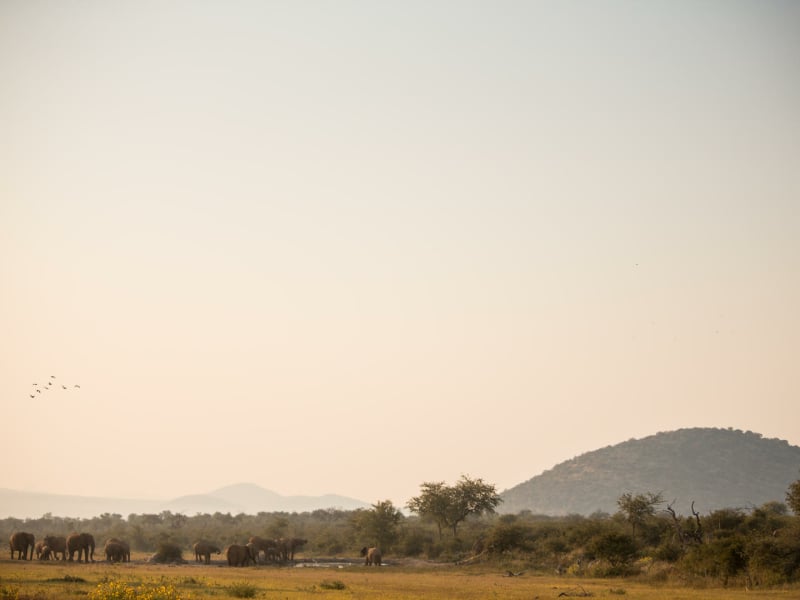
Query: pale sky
(348, 247)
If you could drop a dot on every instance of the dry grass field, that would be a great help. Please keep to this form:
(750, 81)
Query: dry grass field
(23, 580)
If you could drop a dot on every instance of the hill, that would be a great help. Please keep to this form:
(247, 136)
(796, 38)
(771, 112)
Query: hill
(239, 498)
(715, 468)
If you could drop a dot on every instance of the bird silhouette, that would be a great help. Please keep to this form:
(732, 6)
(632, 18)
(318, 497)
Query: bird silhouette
(77, 386)
(38, 392)
(52, 376)
(63, 387)
(33, 396)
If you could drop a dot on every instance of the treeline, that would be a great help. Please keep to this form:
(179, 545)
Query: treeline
(756, 546)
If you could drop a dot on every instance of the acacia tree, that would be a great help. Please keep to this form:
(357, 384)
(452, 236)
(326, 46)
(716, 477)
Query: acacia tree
(638, 507)
(448, 505)
(379, 523)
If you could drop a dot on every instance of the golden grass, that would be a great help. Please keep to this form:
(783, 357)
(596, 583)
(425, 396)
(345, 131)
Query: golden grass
(32, 580)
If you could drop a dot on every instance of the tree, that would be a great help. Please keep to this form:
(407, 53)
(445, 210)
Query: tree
(637, 507)
(793, 497)
(450, 505)
(617, 548)
(379, 524)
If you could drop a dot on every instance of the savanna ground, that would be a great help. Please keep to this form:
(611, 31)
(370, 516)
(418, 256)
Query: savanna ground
(348, 579)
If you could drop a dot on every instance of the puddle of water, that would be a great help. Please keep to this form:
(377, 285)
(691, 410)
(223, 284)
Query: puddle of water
(323, 565)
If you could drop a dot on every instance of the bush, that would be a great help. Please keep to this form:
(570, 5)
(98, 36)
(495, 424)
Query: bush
(333, 585)
(618, 549)
(168, 553)
(668, 551)
(243, 589)
(505, 537)
(414, 543)
(723, 558)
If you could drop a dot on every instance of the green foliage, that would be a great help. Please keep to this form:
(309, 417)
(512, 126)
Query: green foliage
(378, 526)
(637, 508)
(722, 558)
(505, 537)
(449, 506)
(618, 549)
(793, 497)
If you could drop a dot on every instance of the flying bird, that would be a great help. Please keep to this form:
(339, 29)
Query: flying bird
(33, 396)
(64, 387)
(77, 386)
(52, 376)
(38, 392)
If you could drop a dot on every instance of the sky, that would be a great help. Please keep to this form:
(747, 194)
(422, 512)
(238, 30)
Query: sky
(350, 247)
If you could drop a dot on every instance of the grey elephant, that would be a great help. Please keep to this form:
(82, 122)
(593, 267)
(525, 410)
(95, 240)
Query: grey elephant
(267, 546)
(83, 544)
(39, 550)
(57, 545)
(288, 546)
(203, 550)
(240, 555)
(19, 542)
(114, 551)
(125, 546)
(372, 556)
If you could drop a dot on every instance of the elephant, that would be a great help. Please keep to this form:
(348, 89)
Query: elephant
(114, 551)
(272, 554)
(83, 544)
(117, 550)
(372, 556)
(19, 542)
(288, 546)
(203, 550)
(57, 545)
(239, 555)
(268, 547)
(39, 550)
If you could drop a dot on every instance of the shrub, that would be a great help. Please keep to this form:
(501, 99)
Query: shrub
(617, 548)
(168, 553)
(242, 589)
(333, 585)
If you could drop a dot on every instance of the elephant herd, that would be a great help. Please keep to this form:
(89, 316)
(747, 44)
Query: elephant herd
(52, 546)
(274, 550)
(280, 550)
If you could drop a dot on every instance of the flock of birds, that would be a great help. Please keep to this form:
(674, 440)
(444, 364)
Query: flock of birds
(48, 386)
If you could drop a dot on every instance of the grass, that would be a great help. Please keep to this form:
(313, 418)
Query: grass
(32, 580)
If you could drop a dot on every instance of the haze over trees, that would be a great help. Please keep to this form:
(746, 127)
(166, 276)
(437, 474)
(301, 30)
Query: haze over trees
(644, 534)
(751, 547)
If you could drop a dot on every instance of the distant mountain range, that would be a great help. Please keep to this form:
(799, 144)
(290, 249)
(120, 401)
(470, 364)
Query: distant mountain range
(239, 498)
(715, 468)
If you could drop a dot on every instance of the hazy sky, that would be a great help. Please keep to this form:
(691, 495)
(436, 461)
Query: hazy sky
(349, 247)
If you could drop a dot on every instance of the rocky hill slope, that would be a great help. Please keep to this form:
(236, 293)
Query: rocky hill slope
(715, 468)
